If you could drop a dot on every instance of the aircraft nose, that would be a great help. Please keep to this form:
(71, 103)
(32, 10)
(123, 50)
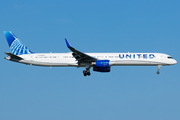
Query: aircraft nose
(174, 61)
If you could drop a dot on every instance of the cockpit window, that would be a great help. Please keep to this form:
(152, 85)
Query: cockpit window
(169, 57)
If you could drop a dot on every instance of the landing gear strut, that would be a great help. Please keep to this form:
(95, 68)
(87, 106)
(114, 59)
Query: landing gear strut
(159, 69)
(87, 71)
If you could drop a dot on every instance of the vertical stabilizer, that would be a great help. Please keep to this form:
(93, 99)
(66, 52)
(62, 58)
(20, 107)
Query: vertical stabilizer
(16, 46)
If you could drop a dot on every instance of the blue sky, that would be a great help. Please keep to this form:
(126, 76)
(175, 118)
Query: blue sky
(63, 93)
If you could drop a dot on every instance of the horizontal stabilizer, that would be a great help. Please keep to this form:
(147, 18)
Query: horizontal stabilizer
(13, 56)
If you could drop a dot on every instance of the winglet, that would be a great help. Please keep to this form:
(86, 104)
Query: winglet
(67, 43)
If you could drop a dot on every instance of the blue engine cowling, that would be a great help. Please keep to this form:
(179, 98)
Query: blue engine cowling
(102, 66)
(102, 63)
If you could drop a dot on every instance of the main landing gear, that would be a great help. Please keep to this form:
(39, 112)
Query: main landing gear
(87, 71)
(159, 69)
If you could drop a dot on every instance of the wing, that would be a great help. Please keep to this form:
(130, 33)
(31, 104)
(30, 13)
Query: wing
(80, 57)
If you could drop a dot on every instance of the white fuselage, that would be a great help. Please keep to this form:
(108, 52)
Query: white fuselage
(119, 59)
(101, 62)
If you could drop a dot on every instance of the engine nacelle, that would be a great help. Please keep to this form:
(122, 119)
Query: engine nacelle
(102, 66)
(102, 63)
(101, 69)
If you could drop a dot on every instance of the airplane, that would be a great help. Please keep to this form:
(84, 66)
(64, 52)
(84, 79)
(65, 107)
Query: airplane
(100, 62)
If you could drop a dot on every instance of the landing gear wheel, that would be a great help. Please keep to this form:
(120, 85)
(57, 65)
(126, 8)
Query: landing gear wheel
(158, 72)
(84, 72)
(88, 73)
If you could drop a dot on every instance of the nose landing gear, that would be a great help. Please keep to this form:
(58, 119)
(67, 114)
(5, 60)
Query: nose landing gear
(159, 69)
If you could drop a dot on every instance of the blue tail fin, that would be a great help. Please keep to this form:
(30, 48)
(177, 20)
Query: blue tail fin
(16, 46)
